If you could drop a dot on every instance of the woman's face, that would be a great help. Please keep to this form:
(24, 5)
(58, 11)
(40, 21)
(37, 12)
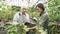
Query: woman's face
(39, 10)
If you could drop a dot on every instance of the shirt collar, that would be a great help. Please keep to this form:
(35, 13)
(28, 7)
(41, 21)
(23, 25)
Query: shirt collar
(21, 13)
(42, 13)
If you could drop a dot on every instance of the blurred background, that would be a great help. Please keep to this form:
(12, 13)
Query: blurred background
(9, 7)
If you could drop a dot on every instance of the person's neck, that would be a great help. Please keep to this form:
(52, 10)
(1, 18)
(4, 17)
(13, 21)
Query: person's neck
(41, 13)
(23, 14)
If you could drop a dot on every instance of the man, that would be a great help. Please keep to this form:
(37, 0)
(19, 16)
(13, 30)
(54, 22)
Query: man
(43, 17)
(21, 16)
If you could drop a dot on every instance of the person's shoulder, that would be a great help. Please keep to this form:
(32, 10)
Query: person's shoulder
(17, 14)
(45, 14)
(27, 14)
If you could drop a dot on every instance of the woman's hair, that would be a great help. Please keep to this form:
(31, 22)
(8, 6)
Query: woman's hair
(40, 5)
(0, 20)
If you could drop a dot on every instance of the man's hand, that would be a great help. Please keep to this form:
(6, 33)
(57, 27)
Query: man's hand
(15, 23)
(35, 19)
(32, 28)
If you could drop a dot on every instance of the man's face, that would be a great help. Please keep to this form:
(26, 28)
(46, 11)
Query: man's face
(23, 9)
(39, 10)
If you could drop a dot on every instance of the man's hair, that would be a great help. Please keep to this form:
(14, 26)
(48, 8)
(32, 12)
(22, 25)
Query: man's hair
(40, 5)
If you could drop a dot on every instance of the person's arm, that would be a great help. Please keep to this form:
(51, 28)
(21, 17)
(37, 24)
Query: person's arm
(32, 28)
(27, 19)
(15, 19)
(43, 18)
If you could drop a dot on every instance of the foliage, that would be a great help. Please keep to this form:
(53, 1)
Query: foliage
(7, 12)
(54, 16)
(54, 10)
(16, 29)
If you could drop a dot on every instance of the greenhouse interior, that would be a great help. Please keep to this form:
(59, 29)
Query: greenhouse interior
(29, 16)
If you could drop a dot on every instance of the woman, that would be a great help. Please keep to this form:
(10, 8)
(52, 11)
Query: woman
(43, 17)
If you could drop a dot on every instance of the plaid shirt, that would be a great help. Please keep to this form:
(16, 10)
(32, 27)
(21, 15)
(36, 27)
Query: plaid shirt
(43, 19)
